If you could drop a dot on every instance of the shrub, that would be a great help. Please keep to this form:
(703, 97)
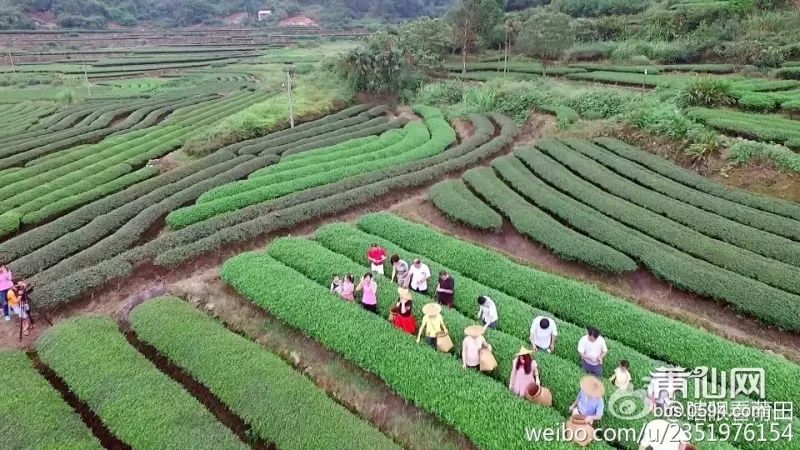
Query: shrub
(706, 91)
(748, 152)
(791, 73)
(758, 101)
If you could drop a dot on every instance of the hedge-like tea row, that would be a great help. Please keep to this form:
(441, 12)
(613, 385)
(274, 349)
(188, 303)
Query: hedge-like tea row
(514, 66)
(391, 143)
(539, 226)
(666, 168)
(345, 149)
(311, 133)
(491, 416)
(790, 73)
(459, 204)
(182, 245)
(330, 118)
(416, 144)
(337, 138)
(31, 240)
(770, 128)
(34, 414)
(743, 214)
(769, 271)
(560, 371)
(748, 295)
(133, 229)
(712, 225)
(651, 70)
(633, 79)
(562, 376)
(140, 405)
(325, 139)
(98, 227)
(654, 335)
(704, 68)
(58, 207)
(280, 404)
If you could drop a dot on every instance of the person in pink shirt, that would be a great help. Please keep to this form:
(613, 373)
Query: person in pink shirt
(347, 287)
(369, 300)
(524, 372)
(6, 283)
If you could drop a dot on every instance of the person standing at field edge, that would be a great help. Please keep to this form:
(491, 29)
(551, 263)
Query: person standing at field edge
(6, 283)
(418, 275)
(376, 256)
(432, 323)
(445, 290)
(487, 311)
(592, 348)
(544, 334)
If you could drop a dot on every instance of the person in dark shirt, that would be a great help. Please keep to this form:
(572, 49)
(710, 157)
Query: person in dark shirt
(445, 289)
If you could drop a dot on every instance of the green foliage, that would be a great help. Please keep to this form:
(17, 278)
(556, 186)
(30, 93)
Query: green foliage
(791, 73)
(254, 383)
(706, 91)
(35, 416)
(417, 143)
(378, 65)
(94, 359)
(537, 224)
(441, 93)
(591, 8)
(65, 97)
(310, 307)
(760, 127)
(748, 152)
(429, 40)
(474, 22)
(459, 204)
(545, 35)
(758, 101)
(660, 337)
(704, 184)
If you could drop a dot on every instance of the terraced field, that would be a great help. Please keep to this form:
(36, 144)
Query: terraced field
(290, 281)
(615, 208)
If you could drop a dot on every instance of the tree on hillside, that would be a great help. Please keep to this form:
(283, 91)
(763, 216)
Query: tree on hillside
(380, 65)
(546, 35)
(511, 28)
(473, 20)
(428, 41)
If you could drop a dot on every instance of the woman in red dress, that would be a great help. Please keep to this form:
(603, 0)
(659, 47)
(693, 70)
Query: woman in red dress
(403, 317)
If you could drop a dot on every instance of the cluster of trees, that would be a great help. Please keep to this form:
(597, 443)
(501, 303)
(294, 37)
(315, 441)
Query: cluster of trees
(396, 60)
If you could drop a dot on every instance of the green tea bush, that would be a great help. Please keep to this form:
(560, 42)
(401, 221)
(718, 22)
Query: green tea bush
(459, 204)
(747, 152)
(539, 226)
(667, 169)
(768, 128)
(791, 73)
(657, 336)
(442, 374)
(257, 385)
(758, 101)
(93, 358)
(35, 415)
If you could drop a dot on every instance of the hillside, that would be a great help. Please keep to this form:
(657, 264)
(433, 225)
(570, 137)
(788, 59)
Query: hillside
(101, 14)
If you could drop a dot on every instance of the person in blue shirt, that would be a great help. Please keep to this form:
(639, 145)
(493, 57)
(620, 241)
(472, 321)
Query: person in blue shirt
(590, 402)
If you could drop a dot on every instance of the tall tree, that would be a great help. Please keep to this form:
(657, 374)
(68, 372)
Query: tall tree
(546, 35)
(473, 20)
(511, 27)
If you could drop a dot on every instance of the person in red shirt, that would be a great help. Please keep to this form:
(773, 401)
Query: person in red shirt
(376, 256)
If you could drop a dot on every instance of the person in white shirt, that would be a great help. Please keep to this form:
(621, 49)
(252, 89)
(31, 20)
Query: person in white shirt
(418, 275)
(487, 313)
(660, 434)
(622, 376)
(544, 333)
(593, 350)
(472, 345)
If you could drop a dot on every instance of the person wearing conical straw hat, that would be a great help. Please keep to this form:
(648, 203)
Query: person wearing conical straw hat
(524, 371)
(432, 324)
(472, 345)
(404, 319)
(590, 402)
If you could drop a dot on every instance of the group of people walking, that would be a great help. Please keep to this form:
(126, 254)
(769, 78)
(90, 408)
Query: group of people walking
(14, 298)
(475, 349)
